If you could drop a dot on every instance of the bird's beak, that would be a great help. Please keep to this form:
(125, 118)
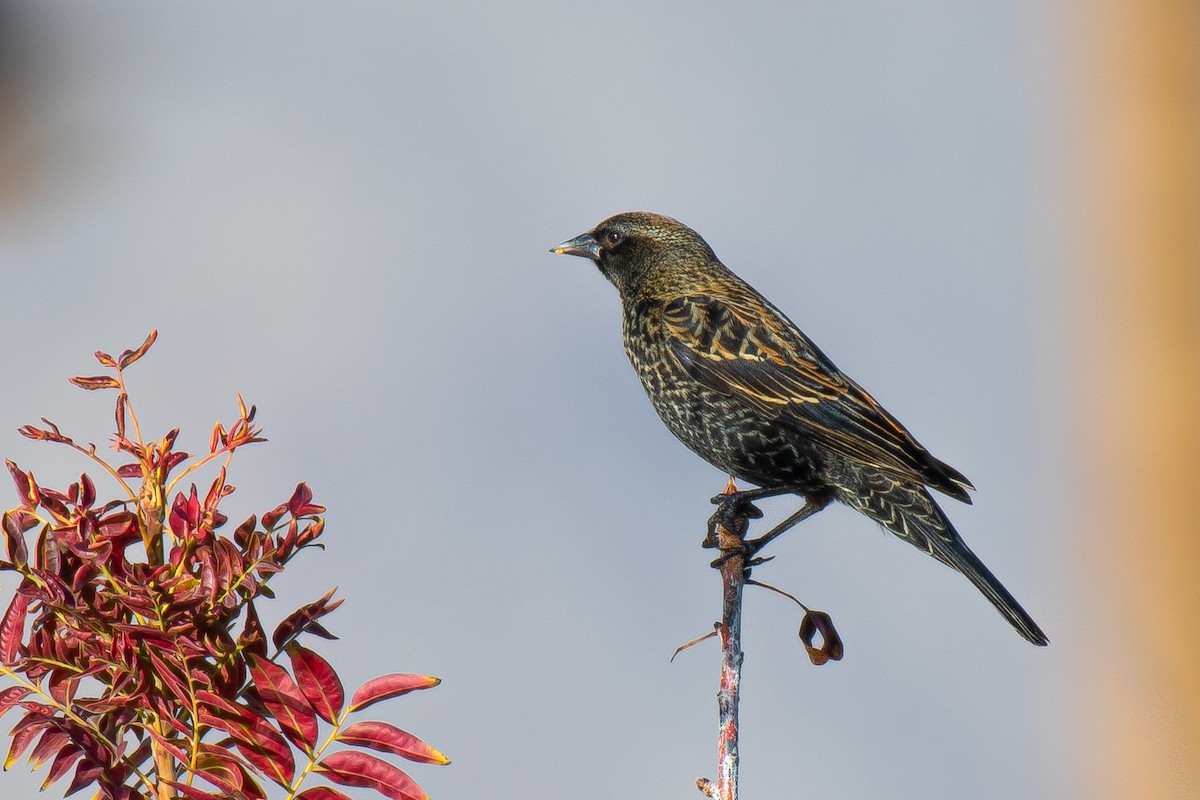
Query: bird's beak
(583, 245)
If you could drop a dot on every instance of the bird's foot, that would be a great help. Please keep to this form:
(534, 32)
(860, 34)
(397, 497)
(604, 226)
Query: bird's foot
(748, 560)
(734, 512)
(751, 547)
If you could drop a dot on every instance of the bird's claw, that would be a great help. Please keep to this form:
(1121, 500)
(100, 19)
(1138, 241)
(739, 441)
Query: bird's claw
(734, 511)
(746, 552)
(736, 502)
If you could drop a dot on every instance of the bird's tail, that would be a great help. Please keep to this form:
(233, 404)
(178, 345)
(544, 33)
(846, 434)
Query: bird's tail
(909, 512)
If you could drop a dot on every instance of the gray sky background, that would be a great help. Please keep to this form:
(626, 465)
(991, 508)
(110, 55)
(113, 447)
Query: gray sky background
(343, 212)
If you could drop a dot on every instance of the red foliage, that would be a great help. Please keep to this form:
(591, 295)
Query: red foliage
(389, 686)
(134, 645)
(318, 681)
(387, 738)
(351, 768)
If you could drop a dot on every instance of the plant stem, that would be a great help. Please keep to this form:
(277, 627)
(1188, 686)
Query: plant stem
(734, 574)
(315, 756)
(164, 764)
(733, 580)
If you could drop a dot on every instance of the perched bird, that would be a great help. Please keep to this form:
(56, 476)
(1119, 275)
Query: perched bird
(737, 382)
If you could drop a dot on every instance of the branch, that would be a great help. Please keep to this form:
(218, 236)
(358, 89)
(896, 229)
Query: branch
(734, 574)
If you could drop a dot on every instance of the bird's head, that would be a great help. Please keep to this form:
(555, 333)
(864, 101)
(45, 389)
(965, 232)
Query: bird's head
(637, 246)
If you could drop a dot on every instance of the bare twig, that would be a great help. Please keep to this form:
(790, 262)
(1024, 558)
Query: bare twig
(695, 641)
(727, 530)
(777, 590)
(734, 573)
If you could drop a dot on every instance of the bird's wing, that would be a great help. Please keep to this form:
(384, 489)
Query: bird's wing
(741, 347)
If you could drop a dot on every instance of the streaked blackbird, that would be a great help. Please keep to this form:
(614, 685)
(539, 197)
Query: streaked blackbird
(737, 382)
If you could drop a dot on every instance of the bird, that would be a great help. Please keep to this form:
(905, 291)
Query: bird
(738, 382)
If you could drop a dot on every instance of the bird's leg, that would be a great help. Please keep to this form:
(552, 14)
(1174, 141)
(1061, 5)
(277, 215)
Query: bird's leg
(735, 505)
(725, 517)
(812, 504)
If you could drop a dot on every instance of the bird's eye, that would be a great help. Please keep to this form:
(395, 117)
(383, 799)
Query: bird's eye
(614, 238)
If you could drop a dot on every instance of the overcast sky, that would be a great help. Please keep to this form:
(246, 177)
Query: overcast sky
(344, 214)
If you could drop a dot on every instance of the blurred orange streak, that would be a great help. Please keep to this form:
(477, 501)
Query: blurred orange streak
(1137, 274)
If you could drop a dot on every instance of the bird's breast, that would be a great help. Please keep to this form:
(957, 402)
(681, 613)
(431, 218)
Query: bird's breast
(726, 431)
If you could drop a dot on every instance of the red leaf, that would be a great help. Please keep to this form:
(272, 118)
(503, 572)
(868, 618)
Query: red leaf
(42, 435)
(66, 757)
(390, 739)
(130, 470)
(218, 490)
(322, 793)
(225, 715)
(283, 699)
(85, 775)
(261, 744)
(23, 482)
(268, 751)
(192, 793)
(219, 767)
(62, 685)
(40, 713)
(217, 439)
(250, 787)
(300, 504)
(253, 641)
(51, 740)
(361, 769)
(122, 404)
(118, 526)
(129, 356)
(171, 747)
(170, 677)
(22, 735)
(49, 554)
(258, 741)
(319, 682)
(304, 619)
(185, 513)
(96, 382)
(11, 696)
(311, 532)
(14, 524)
(105, 359)
(389, 686)
(12, 627)
(52, 501)
(272, 517)
(87, 491)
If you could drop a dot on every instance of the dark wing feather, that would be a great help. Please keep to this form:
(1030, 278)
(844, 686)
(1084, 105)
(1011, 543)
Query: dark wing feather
(740, 346)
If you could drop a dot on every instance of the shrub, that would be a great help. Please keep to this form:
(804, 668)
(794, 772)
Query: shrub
(133, 644)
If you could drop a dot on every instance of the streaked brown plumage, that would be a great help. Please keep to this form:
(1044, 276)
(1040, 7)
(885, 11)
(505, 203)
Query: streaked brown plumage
(736, 381)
